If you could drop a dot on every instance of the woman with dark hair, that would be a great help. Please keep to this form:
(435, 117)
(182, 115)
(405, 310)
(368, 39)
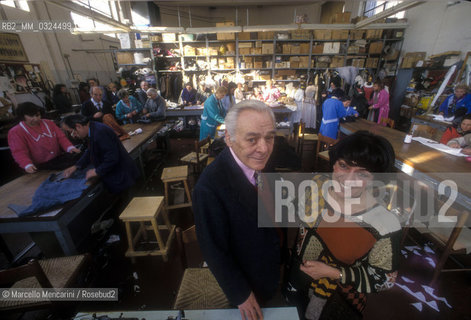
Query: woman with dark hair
(229, 100)
(188, 94)
(350, 248)
(35, 142)
(128, 108)
(452, 132)
(60, 99)
(84, 92)
(379, 103)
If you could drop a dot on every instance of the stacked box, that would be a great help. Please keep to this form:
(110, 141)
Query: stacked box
(213, 51)
(323, 34)
(168, 37)
(244, 51)
(331, 47)
(225, 36)
(411, 58)
(339, 34)
(249, 65)
(376, 47)
(353, 50)
(245, 45)
(244, 36)
(255, 50)
(304, 62)
(258, 64)
(304, 48)
(343, 17)
(374, 33)
(268, 35)
(189, 51)
(201, 51)
(336, 62)
(125, 57)
(286, 49)
(371, 63)
(318, 49)
(294, 62)
(359, 63)
(300, 34)
(357, 34)
(258, 44)
(264, 77)
(267, 48)
(295, 49)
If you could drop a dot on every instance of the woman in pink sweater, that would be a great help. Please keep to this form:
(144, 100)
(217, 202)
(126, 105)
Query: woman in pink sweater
(379, 103)
(34, 140)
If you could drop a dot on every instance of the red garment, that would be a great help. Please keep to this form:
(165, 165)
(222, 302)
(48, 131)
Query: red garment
(449, 134)
(37, 145)
(368, 92)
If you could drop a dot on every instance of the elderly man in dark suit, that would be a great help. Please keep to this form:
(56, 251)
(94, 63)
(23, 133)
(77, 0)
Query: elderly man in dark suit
(111, 162)
(96, 108)
(244, 259)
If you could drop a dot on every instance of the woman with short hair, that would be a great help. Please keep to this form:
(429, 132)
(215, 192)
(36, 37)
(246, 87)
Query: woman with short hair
(213, 113)
(379, 103)
(128, 108)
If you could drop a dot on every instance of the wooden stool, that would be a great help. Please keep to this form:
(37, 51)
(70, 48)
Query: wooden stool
(176, 174)
(147, 209)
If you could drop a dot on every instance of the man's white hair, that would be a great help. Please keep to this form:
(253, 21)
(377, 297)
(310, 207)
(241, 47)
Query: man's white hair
(234, 112)
(151, 91)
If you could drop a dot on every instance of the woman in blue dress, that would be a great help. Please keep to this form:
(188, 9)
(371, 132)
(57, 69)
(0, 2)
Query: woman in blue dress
(213, 113)
(332, 111)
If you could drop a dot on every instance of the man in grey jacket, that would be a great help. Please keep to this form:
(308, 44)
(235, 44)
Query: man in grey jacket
(155, 105)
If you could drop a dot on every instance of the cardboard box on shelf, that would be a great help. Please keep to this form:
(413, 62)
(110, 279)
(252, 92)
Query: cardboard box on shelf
(267, 35)
(201, 51)
(376, 47)
(331, 47)
(301, 34)
(258, 44)
(125, 57)
(294, 64)
(323, 34)
(243, 51)
(371, 63)
(267, 48)
(244, 36)
(295, 49)
(155, 38)
(189, 51)
(343, 17)
(374, 34)
(167, 37)
(303, 62)
(357, 34)
(286, 72)
(353, 50)
(258, 65)
(248, 59)
(225, 36)
(265, 77)
(339, 34)
(230, 60)
(410, 59)
(318, 48)
(255, 50)
(294, 59)
(213, 51)
(245, 44)
(249, 65)
(304, 48)
(359, 63)
(286, 49)
(336, 62)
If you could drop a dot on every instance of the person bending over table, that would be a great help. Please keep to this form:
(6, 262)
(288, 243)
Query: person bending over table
(155, 105)
(244, 258)
(128, 108)
(379, 103)
(213, 113)
(352, 250)
(452, 132)
(189, 95)
(460, 99)
(111, 162)
(36, 143)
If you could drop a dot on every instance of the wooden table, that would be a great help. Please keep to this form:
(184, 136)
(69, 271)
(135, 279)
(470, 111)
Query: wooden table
(21, 190)
(136, 144)
(428, 120)
(420, 161)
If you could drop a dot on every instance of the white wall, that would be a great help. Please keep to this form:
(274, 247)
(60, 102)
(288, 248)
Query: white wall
(436, 28)
(51, 47)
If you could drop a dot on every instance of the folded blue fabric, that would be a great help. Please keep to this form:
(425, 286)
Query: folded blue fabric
(53, 192)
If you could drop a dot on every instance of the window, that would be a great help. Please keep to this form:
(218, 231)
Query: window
(19, 4)
(87, 24)
(99, 6)
(375, 7)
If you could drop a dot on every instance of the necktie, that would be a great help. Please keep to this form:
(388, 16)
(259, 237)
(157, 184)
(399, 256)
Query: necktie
(258, 180)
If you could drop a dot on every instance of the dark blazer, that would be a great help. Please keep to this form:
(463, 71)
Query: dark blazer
(242, 257)
(110, 159)
(89, 109)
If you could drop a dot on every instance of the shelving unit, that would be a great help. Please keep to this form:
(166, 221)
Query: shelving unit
(277, 60)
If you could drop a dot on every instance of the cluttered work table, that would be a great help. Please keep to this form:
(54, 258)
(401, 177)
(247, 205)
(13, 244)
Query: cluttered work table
(21, 191)
(283, 313)
(421, 161)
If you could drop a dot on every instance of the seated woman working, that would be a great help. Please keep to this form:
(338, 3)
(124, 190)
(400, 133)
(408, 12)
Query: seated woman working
(462, 142)
(37, 143)
(188, 95)
(351, 247)
(452, 132)
(128, 108)
(213, 114)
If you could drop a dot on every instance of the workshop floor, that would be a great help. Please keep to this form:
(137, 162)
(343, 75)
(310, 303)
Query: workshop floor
(151, 284)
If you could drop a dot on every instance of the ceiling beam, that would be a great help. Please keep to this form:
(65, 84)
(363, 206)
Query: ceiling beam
(388, 12)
